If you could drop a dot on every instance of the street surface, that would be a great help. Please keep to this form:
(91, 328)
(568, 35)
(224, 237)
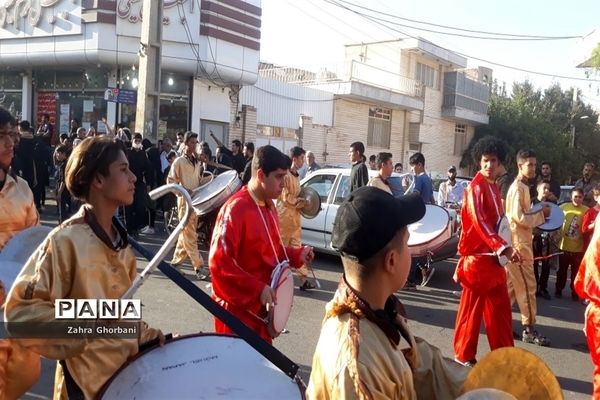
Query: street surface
(431, 310)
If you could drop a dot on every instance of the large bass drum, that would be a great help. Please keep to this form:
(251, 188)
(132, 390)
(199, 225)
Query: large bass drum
(431, 232)
(17, 251)
(207, 366)
(215, 194)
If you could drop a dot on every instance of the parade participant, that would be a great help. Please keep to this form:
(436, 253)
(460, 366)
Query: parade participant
(365, 349)
(587, 183)
(589, 218)
(521, 278)
(19, 368)
(246, 246)
(587, 286)
(359, 175)
(450, 192)
(87, 257)
(542, 245)
(478, 271)
(398, 168)
(385, 167)
(288, 208)
(571, 243)
(248, 154)
(187, 171)
(503, 181)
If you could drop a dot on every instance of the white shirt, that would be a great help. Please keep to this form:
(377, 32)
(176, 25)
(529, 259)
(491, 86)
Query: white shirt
(448, 193)
(164, 163)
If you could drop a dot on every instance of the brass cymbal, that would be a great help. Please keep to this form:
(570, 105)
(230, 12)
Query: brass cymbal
(313, 202)
(516, 371)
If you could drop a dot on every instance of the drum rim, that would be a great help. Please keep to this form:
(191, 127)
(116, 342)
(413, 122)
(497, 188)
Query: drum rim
(233, 174)
(441, 233)
(538, 206)
(269, 322)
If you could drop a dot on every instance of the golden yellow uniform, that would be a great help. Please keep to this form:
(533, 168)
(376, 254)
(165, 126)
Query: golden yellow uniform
(290, 220)
(522, 285)
(188, 173)
(77, 261)
(19, 368)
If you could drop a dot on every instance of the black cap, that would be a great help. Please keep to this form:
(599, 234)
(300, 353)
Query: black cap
(369, 218)
(452, 168)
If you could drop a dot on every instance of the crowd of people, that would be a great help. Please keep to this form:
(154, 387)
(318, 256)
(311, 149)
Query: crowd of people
(365, 349)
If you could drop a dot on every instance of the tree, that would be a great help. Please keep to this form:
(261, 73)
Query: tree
(542, 121)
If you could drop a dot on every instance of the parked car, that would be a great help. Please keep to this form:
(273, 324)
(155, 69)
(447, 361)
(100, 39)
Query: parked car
(333, 186)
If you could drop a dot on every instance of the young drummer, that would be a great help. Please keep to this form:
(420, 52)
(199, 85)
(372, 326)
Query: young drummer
(587, 285)
(521, 278)
(86, 257)
(19, 368)
(365, 350)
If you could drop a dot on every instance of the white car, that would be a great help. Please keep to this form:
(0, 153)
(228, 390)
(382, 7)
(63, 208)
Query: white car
(333, 186)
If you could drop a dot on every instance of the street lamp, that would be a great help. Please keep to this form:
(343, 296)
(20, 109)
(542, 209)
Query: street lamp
(572, 144)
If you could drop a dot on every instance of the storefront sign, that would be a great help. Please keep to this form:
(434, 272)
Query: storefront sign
(39, 18)
(122, 96)
(46, 104)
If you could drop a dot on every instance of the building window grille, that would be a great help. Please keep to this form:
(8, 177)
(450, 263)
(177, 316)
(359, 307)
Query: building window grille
(460, 139)
(380, 127)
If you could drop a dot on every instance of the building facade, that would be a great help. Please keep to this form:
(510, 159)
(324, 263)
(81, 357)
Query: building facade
(77, 59)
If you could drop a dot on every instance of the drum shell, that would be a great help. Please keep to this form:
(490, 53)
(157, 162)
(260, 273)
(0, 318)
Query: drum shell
(433, 231)
(203, 363)
(282, 283)
(206, 201)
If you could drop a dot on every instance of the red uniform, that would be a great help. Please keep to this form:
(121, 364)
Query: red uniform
(589, 217)
(241, 259)
(483, 280)
(587, 286)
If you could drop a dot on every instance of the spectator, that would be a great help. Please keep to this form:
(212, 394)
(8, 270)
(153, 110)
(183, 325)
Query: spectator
(423, 184)
(249, 155)
(450, 192)
(373, 162)
(136, 213)
(587, 183)
(46, 131)
(63, 197)
(384, 165)
(398, 168)
(311, 165)
(546, 175)
(24, 152)
(359, 175)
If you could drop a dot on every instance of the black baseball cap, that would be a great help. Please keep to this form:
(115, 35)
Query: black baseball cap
(452, 168)
(369, 218)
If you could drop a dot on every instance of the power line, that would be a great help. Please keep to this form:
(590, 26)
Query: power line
(523, 37)
(368, 17)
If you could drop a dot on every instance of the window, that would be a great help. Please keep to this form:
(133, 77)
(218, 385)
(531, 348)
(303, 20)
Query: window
(460, 139)
(343, 190)
(322, 184)
(426, 75)
(380, 127)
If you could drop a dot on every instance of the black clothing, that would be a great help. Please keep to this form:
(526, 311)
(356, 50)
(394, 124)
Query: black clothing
(359, 176)
(247, 174)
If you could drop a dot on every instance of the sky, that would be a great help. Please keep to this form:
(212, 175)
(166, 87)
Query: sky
(312, 33)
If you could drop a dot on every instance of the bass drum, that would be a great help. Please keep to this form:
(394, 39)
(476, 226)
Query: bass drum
(18, 250)
(215, 194)
(431, 232)
(207, 366)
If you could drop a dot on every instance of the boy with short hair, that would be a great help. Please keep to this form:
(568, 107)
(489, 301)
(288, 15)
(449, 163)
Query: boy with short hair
(521, 277)
(365, 349)
(87, 257)
(359, 174)
(571, 243)
(63, 197)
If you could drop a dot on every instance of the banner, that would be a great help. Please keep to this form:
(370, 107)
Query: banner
(120, 96)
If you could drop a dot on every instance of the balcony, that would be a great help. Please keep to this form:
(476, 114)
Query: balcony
(465, 99)
(355, 80)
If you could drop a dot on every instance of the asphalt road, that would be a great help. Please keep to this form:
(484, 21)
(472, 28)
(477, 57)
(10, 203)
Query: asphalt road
(431, 310)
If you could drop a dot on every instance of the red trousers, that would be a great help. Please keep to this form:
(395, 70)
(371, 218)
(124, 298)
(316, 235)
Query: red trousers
(250, 320)
(494, 306)
(592, 333)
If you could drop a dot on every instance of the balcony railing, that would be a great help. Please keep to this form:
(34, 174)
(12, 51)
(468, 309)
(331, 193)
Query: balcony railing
(463, 92)
(353, 71)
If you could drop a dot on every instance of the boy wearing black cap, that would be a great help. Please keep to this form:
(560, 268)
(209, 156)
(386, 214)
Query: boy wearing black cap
(365, 349)
(450, 193)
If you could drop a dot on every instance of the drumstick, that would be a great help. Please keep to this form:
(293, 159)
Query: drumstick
(314, 276)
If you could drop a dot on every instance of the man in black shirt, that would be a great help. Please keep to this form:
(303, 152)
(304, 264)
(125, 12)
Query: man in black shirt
(554, 193)
(249, 155)
(359, 175)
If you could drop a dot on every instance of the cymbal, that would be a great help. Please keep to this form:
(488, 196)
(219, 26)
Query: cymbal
(313, 202)
(516, 371)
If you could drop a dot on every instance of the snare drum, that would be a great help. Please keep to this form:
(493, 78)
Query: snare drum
(282, 282)
(215, 194)
(503, 230)
(554, 221)
(207, 366)
(431, 232)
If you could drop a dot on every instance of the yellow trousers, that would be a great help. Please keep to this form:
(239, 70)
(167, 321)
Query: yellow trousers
(19, 369)
(522, 287)
(187, 243)
(295, 242)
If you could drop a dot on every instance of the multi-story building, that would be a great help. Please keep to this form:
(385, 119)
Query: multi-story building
(401, 96)
(65, 57)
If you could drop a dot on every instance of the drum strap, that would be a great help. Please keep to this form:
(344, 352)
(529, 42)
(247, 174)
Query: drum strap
(279, 359)
(74, 392)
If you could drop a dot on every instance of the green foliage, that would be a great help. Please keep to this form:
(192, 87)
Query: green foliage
(542, 121)
(596, 57)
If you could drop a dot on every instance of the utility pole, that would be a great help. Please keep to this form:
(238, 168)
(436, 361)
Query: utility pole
(573, 105)
(148, 98)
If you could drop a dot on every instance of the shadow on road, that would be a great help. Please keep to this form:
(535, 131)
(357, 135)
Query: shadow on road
(574, 385)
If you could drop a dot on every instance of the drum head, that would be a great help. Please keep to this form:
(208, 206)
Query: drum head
(201, 367)
(283, 285)
(431, 231)
(18, 250)
(504, 230)
(222, 183)
(556, 218)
